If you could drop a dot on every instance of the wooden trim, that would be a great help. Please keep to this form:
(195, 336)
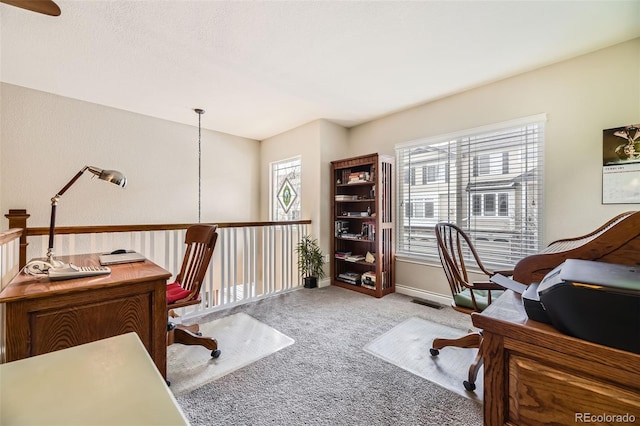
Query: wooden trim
(151, 227)
(10, 235)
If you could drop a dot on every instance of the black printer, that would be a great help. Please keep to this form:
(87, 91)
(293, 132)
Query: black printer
(594, 301)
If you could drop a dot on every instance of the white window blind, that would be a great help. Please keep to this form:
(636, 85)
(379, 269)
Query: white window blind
(487, 180)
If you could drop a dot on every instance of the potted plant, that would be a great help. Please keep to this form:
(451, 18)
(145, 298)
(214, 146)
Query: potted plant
(310, 261)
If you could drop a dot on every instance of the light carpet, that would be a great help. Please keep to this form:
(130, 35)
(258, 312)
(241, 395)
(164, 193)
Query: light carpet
(407, 346)
(242, 340)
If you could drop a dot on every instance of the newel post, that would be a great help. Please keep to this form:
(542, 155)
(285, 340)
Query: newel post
(18, 219)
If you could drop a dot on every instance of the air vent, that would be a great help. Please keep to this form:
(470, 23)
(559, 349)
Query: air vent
(428, 303)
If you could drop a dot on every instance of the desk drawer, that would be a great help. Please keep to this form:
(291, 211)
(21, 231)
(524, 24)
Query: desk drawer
(541, 392)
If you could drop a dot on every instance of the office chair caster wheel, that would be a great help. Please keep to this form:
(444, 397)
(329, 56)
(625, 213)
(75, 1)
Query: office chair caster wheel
(434, 352)
(469, 386)
(216, 353)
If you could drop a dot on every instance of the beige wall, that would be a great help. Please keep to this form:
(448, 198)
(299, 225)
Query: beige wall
(317, 143)
(581, 97)
(47, 138)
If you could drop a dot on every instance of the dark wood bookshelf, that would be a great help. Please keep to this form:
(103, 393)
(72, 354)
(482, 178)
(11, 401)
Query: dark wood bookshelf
(363, 185)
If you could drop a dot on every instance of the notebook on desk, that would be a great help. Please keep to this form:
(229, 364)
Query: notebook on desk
(114, 259)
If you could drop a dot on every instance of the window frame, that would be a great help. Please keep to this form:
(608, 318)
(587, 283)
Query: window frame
(273, 190)
(503, 165)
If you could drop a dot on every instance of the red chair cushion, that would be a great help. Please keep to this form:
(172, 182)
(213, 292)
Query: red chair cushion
(175, 292)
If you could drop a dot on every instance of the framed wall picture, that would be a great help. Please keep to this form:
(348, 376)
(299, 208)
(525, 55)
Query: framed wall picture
(621, 165)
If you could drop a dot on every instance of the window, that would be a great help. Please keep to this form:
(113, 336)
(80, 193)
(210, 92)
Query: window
(429, 209)
(410, 178)
(487, 180)
(503, 204)
(285, 190)
(489, 204)
(433, 173)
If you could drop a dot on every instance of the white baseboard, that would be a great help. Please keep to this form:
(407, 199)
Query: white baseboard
(424, 294)
(324, 283)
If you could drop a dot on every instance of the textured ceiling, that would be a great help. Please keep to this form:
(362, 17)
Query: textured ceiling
(261, 68)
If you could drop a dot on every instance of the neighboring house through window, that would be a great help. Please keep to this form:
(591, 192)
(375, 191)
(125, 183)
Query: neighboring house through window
(486, 180)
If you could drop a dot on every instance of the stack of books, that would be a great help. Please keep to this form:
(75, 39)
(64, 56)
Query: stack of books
(350, 278)
(357, 214)
(369, 280)
(342, 254)
(341, 197)
(354, 258)
(350, 236)
(357, 177)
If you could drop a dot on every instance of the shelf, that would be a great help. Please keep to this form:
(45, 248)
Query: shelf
(359, 262)
(341, 185)
(360, 240)
(372, 232)
(360, 200)
(372, 218)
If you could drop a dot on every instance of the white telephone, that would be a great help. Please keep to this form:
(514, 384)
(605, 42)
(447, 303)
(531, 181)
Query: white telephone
(65, 272)
(37, 267)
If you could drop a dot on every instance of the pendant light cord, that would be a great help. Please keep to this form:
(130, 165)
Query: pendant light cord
(199, 112)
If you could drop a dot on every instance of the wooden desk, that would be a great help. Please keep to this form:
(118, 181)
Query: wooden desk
(535, 375)
(107, 382)
(42, 316)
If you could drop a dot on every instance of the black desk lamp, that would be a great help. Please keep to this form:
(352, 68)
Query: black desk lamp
(112, 176)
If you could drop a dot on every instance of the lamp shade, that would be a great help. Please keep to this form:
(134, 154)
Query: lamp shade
(112, 176)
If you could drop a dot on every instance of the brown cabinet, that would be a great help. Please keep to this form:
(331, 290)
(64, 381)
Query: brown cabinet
(363, 208)
(535, 375)
(43, 316)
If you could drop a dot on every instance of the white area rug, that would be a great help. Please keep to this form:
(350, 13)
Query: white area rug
(242, 340)
(407, 346)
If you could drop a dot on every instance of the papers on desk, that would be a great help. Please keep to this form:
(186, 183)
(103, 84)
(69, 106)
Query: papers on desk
(114, 259)
(507, 282)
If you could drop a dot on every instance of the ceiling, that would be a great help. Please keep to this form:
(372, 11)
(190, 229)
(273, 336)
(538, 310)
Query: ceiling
(262, 68)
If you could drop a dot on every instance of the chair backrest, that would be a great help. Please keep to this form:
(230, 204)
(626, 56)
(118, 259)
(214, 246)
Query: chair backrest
(200, 241)
(455, 248)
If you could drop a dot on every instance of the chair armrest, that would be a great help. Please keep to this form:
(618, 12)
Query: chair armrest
(486, 285)
(507, 273)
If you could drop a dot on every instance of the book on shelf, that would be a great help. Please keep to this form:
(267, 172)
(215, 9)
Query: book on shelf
(367, 285)
(350, 277)
(341, 227)
(357, 177)
(354, 258)
(369, 230)
(356, 214)
(351, 236)
(340, 197)
(342, 254)
(369, 280)
(369, 276)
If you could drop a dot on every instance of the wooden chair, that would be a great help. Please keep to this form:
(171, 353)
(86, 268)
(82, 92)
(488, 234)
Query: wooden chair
(455, 249)
(185, 291)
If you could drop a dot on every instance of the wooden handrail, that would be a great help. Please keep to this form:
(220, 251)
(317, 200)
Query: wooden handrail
(151, 227)
(10, 235)
(18, 223)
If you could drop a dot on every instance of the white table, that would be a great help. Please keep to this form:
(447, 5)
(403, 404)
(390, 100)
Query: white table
(108, 382)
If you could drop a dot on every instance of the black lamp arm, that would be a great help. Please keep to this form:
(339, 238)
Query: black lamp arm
(112, 176)
(54, 204)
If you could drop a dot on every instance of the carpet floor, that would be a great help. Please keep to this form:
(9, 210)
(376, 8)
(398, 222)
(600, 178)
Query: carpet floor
(327, 377)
